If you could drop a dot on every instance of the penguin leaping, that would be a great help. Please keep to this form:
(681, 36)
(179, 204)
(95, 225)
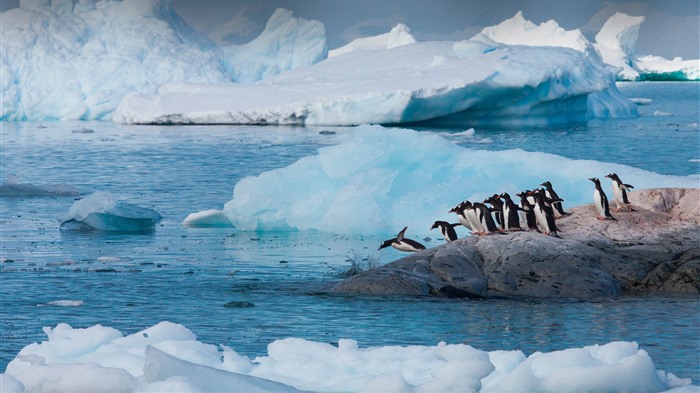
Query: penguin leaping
(600, 201)
(402, 243)
(446, 229)
(620, 192)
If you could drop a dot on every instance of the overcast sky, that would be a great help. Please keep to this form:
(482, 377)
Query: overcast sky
(672, 27)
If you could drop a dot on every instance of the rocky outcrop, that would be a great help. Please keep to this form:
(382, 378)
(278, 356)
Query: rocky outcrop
(655, 248)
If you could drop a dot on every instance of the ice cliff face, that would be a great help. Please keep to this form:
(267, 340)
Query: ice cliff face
(63, 61)
(616, 43)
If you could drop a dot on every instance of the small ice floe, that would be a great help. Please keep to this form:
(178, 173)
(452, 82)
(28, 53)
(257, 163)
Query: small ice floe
(661, 113)
(14, 188)
(83, 131)
(112, 259)
(208, 219)
(62, 303)
(694, 160)
(468, 136)
(100, 211)
(641, 101)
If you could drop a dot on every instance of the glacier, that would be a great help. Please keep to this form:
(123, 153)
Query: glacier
(443, 82)
(399, 35)
(76, 62)
(168, 357)
(384, 179)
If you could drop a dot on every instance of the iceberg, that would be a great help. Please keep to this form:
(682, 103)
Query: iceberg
(100, 211)
(616, 42)
(385, 179)
(168, 357)
(61, 61)
(398, 36)
(520, 31)
(285, 44)
(444, 83)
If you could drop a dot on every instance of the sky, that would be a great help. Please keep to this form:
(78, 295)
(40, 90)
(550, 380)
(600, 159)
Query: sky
(672, 27)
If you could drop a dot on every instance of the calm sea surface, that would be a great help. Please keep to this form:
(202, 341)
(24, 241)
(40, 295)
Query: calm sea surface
(182, 275)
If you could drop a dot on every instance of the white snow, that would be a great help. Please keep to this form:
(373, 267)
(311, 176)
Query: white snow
(168, 357)
(398, 36)
(519, 31)
(101, 211)
(65, 62)
(446, 82)
(369, 184)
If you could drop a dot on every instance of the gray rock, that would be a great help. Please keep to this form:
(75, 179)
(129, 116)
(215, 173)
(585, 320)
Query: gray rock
(653, 249)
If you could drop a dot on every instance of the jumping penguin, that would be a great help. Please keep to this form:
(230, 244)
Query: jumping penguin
(511, 218)
(544, 218)
(446, 229)
(403, 244)
(620, 192)
(551, 194)
(600, 201)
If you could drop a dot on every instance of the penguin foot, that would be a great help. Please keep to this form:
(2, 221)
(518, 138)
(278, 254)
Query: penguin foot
(601, 218)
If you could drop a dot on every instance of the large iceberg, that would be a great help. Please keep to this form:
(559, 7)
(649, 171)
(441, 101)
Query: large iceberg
(385, 179)
(442, 82)
(61, 61)
(285, 44)
(168, 357)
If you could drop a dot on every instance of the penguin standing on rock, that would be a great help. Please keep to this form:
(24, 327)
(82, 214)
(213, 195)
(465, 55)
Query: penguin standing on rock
(544, 216)
(497, 210)
(527, 210)
(461, 211)
(446, 229)
(620, 192)
(511, 218)
(600, 201)
(403, 244)
(552, 195)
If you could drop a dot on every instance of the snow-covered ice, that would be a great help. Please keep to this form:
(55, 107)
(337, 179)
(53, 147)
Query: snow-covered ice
(399, 35)
(101, 211)
(168, 357)
(384, 179)
(446, 82)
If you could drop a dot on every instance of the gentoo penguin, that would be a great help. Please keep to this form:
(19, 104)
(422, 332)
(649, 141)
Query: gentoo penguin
(403, 244)
(488, 225)
(620, 192)
(600, 201)
(497, 203)
(551, 194)
(546, 202)
(544, 218)
(462, 217)
(446, 229)
(527, 210)
(511, 218)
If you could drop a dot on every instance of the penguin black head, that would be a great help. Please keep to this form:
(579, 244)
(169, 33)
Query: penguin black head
(613, 176)
(505, 195)
(386, 243)
(546, 184)
(594, 180)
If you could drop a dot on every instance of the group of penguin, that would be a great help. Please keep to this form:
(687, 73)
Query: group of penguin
(537, 208)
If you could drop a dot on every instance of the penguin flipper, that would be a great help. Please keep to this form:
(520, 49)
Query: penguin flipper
(399, 237)
(455, 225)
(627, 186)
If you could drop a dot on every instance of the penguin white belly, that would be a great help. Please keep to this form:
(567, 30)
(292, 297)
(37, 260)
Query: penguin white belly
(506, 217)
(403, 246)
(474, 220)
(541, 217)
(617, 194)
(598, 202)
(465, 222)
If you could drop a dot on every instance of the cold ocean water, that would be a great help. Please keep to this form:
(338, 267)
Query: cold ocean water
(276, 280)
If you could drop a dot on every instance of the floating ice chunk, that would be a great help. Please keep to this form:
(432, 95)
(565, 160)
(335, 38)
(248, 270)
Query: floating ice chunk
(207, 219)
(14, 188)
(385, 179)
(63, 303)
(662, 113)
(398, 36)
(641, 101)
(100, 211)
(167, 357)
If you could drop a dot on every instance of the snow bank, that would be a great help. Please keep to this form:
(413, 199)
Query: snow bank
(385, 179)
(442, 82)
(519, 31)
(286, 43)
(168, 357)
(398, 36)
(100, 211)
(65, 62)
